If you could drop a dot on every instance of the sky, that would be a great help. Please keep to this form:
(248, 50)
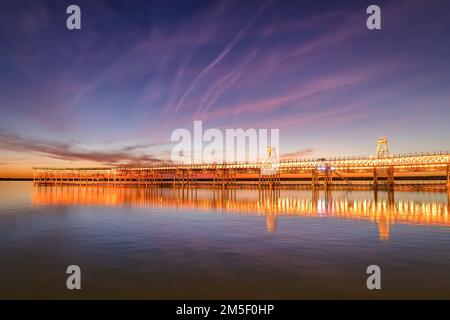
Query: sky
(114, 91)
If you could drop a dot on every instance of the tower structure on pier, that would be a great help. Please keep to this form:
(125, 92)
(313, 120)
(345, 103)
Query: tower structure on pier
(382, 148)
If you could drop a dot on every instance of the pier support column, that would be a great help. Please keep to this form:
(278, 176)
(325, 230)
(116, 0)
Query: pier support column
(375, 178)
(390, 178)
(223, 178)
(448, 179)
(328, 178)
(314, 179)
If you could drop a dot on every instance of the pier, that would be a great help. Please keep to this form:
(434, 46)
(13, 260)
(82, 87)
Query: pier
(388, 172)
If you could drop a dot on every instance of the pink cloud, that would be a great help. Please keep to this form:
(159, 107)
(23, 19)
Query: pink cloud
(317, 86)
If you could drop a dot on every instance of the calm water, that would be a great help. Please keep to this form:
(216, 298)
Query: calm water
(202, 243)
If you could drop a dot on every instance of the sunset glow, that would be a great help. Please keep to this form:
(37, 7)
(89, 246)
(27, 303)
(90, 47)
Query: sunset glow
(113, 92)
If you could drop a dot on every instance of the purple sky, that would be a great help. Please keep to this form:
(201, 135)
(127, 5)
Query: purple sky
(114, 91)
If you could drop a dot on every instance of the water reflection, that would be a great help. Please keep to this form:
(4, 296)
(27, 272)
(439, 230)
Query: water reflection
(382, 208)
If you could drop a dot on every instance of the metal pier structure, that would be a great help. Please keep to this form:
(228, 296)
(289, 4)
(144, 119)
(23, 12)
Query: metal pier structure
(380, 172)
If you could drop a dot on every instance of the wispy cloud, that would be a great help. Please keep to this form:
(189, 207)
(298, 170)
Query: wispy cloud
(222, 54)
(317, 86)
(297, 154)
(70, 151)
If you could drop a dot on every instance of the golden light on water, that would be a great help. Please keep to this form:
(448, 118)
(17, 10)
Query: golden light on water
(381, 209)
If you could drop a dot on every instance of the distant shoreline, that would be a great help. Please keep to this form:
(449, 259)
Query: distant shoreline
(16, 179)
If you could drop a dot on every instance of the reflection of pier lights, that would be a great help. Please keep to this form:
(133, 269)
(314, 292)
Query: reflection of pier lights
(391, 200)
(383, 211)
(269, 198)
(384, 218)
(314, 199)
(328, 201)
(384, 228)
(319, 205)
(271, 221)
